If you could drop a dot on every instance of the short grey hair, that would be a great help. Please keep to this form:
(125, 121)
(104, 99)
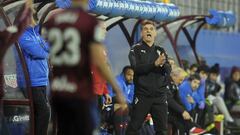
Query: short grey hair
(177, 71)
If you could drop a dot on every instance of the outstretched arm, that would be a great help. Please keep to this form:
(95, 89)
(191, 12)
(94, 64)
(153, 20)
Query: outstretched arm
(96, 53)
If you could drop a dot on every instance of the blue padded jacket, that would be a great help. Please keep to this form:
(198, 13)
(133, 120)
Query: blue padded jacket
(35, 50)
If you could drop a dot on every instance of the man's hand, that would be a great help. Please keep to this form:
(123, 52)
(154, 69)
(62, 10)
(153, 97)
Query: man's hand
(186, 115)
(190, 100)
(201, 105)
(160, 61)
(108, 99)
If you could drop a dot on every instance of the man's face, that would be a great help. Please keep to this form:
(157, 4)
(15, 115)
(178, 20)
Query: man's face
(178, 79)
(213, 76)
(236, 76)
(195, 84)
(149, 33)
(203, 75)
(129, 75)
(193, 70)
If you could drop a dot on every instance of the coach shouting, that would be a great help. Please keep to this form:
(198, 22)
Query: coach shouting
(151, 78)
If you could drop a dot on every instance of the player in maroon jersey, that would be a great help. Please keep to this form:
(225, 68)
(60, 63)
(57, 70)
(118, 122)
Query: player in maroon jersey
(7, 38)
(75, 38)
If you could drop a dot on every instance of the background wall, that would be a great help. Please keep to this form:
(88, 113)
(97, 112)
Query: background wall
(214, 46)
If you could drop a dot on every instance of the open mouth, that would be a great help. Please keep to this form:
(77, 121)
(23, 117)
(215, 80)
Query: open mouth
(149, 35)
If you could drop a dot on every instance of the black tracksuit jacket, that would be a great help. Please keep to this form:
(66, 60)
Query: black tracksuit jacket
(175, 106)
(149, 80)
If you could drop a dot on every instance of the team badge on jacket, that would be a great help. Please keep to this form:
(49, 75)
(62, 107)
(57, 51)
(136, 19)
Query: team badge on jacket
(136, 100)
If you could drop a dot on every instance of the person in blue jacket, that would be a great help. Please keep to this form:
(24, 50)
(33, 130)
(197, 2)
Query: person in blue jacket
(125, 82)
(35, 51)
(187, 91)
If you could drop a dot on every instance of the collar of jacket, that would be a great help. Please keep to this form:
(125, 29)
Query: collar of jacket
(36, 28)
(146, 45)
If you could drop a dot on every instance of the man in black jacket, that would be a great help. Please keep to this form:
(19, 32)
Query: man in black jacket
(212, 88)
(178, 116)
(151, 78)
